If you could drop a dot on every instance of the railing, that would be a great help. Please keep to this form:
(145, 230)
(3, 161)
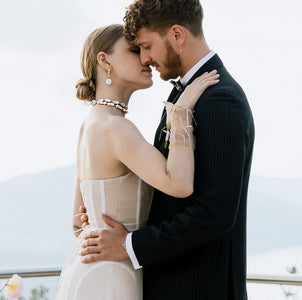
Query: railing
(31, 272)
(274, 279)
(56, 271)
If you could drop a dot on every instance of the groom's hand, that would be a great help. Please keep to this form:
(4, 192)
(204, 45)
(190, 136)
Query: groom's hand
(105, 244)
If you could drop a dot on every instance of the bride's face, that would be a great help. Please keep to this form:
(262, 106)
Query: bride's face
(127, 67)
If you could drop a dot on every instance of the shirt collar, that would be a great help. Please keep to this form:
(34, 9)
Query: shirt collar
(195, 68)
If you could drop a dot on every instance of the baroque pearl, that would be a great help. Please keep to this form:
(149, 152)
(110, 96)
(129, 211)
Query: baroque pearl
(111, 103)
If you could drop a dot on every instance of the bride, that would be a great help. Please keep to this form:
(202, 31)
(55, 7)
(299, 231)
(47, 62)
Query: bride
(116, 166)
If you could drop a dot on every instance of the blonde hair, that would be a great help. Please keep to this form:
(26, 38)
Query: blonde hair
(100, 40)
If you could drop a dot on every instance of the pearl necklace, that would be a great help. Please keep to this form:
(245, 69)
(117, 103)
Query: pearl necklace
(112, 103)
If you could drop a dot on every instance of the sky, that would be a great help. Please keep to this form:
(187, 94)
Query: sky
(40, 43)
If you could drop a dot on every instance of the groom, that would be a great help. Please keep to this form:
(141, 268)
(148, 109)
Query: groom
(193, 248)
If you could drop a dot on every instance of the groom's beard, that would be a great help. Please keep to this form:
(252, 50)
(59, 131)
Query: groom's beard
(172, 65)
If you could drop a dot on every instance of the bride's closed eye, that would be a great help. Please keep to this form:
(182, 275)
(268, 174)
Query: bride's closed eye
(135, 49)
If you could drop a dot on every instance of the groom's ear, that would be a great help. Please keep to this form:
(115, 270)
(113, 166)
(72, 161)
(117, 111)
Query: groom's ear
(103, 58)
(178, 34)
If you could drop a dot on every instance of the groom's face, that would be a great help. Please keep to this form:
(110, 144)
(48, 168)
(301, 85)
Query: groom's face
(158, 51)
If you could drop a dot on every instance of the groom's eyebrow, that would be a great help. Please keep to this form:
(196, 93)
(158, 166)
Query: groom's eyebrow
(142, 43)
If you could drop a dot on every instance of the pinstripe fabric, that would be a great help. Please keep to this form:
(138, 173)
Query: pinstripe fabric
(195, 248)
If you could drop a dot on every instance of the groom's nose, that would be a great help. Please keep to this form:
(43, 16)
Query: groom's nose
(145, 58)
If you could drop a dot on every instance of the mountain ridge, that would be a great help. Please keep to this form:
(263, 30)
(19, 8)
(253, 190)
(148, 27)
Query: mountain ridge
(38, 207)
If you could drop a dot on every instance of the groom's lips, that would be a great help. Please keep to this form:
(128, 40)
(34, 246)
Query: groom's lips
(154, 65)
(157, 68)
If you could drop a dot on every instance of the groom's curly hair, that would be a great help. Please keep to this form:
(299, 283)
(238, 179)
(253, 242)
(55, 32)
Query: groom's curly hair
(160, 15)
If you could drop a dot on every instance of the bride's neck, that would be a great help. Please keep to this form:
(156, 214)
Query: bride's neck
(113, 93)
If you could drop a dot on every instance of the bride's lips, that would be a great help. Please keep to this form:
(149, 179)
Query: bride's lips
(147, 70)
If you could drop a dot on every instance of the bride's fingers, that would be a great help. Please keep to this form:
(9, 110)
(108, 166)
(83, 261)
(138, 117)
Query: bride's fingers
(205, 78)
(84, 218)
(85, 224)
(201, 82)
(207, 74)
(210, 77)
(212, 82)
(213, 72)
(82, 209)
(208, 82)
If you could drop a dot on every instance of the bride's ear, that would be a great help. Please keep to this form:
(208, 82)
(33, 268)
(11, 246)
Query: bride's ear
(102, 58)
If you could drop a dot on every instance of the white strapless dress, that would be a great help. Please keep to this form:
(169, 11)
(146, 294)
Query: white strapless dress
(126, 199)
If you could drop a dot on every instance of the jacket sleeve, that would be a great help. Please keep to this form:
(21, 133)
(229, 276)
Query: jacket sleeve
(221, 142)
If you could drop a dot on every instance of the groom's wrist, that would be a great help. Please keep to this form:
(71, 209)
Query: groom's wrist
(131, 253)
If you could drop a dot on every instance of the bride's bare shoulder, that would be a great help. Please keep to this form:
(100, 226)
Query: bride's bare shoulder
(115, 124)
(112, 126)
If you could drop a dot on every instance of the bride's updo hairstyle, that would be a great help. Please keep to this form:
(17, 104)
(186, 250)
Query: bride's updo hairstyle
(100, 40)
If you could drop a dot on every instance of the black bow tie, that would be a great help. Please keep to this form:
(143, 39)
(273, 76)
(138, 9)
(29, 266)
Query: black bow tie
(177, 85)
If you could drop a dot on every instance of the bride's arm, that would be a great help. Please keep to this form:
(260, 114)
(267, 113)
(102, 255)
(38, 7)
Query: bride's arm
(77, 202)
(174, 175)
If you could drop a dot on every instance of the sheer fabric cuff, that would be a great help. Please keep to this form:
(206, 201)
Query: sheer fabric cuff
(181, 133)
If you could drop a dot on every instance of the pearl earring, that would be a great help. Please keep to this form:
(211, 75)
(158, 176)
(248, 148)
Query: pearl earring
(180, 48)
(109, 80)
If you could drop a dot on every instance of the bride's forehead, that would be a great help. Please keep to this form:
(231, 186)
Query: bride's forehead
(121, 43)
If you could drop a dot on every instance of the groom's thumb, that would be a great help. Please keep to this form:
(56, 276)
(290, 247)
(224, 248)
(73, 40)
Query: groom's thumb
(109, 221)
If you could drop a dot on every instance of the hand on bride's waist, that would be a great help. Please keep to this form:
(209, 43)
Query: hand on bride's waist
(103, 244)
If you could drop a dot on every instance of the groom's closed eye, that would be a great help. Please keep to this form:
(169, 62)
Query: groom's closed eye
(147, 47)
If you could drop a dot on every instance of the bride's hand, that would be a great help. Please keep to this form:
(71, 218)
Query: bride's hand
(193, 91)
(84, 217)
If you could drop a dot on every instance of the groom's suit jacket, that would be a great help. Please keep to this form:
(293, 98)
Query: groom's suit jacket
(195, 248)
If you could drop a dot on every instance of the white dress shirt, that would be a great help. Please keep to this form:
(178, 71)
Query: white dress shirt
(183, 81)
(195, 68)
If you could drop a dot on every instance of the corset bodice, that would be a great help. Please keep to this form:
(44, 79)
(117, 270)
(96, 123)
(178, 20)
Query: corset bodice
(126, 199)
